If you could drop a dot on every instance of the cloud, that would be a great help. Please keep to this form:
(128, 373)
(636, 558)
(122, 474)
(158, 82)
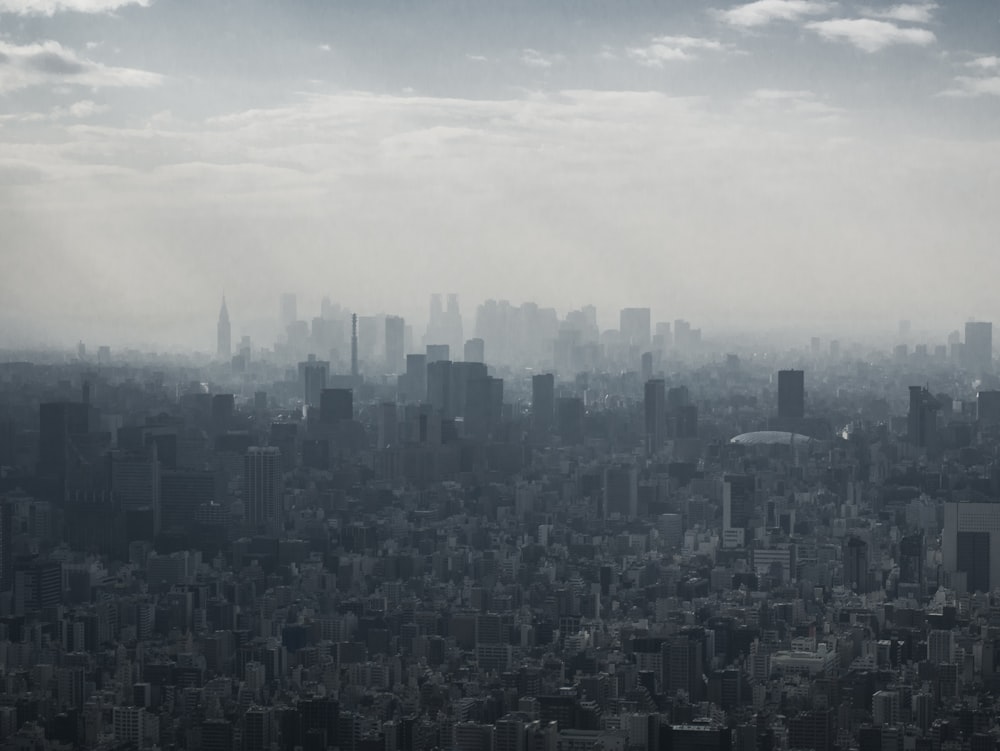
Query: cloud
(971, 87)
(907, 12)
(47, 63)
(477, 58)
(667, 49)
(803, 103)
(985, 63)
(870, 35)
(51, 7)
(535, 59)
(325, 48)
(763, 12)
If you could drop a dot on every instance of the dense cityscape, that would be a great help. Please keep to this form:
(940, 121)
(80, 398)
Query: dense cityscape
(506, 531)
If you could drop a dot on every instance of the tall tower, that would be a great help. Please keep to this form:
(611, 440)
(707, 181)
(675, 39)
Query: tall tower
(223, 332)
(354, 345)
(262, 498)
(791, 395)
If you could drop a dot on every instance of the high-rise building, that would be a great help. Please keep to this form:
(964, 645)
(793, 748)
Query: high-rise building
(6, 549)
(135, 483)
(911, 559)
(970, 543)
(336, 405)
(475, 350)
(388, 425)
(438, 353)
(738, 500)
(978, 349)
(313, 375)
(791, 395)
(921, 423)
(683, 668)
(416, 378)
(439, 386)
(62, 427)
(655, 408)
(570, 414)
(621, 491)
(635, 327)
(262, 496)
(856, 565)
(223, 334)
(395, 344)
(543, 401)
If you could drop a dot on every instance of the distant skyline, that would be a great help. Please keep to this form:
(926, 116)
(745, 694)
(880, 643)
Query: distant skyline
(828, 165)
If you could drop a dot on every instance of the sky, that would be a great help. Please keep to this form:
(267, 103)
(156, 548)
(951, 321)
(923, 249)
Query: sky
(830, 164)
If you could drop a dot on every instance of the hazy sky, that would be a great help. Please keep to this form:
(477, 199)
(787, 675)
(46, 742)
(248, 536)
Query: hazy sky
(776, 161)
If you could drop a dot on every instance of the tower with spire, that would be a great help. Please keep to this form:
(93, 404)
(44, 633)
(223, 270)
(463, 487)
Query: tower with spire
(223, 332)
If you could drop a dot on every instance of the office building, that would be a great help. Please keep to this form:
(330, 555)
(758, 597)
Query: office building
(262, 486)
(415, 387)
(543, 402)
(395, 344)
(336, 405)
(135, 483)
(570, 420)
(856, 565)
(475, 350)
(313, 375)
(738, 501)
(988, 407)
(634, 327)
(388, 425)
(439, 386)
(978, 349)
(223, 333)
(970, 543)
(6, 546)
(438, 353)
(791, 395)
(63, 428)
(621, 492)
(655, 411)
(921, 421)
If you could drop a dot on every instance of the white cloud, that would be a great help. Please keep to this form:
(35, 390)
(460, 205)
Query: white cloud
(985, 63)
(763, 12)
(325, 48)
(535, 59)
(870, 35)
(49, 63)
(51, 7)
(477, 58)
(667, 49)
(804, 103)
(968, 86)
(906, 12)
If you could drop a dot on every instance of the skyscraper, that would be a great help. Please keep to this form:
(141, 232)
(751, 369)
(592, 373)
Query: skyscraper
(475, 350)
(262, 496)
(395, 347)
(224, 347)
(856, 565)
(791, 395)
(634, 326)
(655, 408)
(921, 422)
(543, 401)
(313, 375)
(978, 350)
(970, 543)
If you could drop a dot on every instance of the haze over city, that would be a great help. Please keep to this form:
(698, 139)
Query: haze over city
(830, 164)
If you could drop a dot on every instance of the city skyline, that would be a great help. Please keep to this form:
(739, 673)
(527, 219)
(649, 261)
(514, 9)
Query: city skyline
(764, 161)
